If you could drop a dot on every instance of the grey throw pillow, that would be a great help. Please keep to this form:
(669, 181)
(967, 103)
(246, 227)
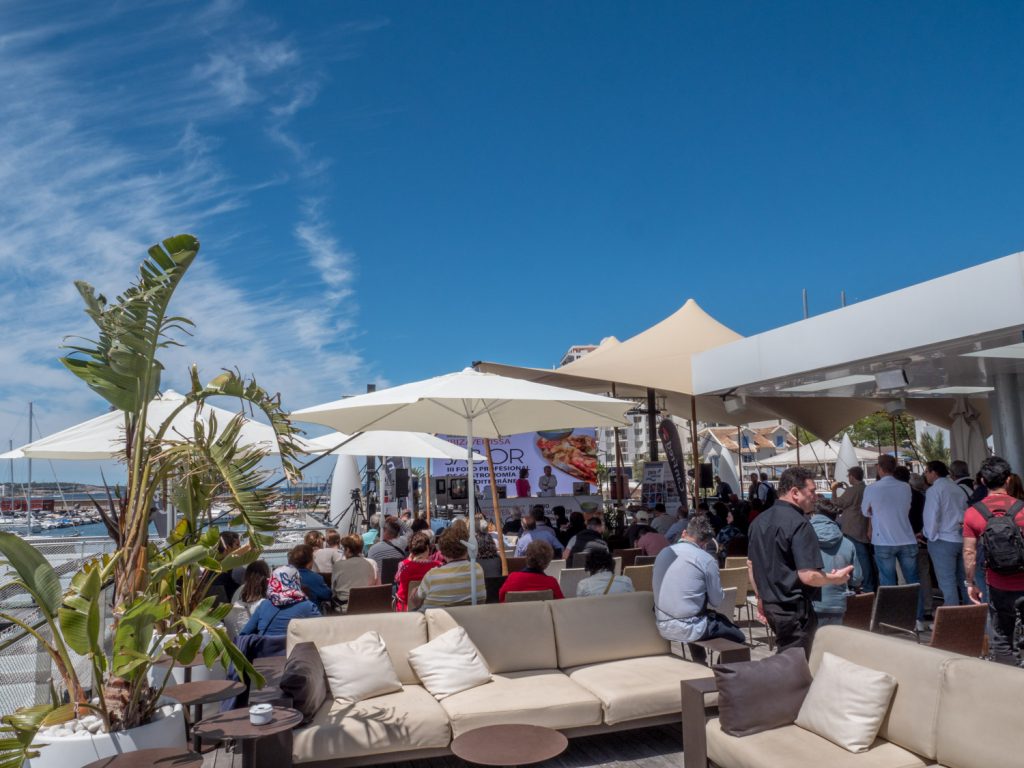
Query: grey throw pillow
(305, 681)
(755, 696)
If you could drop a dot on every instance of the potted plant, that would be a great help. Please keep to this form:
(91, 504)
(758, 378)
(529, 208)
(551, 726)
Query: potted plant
(158, 593)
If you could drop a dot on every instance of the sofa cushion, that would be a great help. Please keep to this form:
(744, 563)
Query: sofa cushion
(535, 697)
(401, 633)
(630, 689)
(359, 669)
(846, 703)
(913, 714)
(407, 720)
(743, 707)
(979, 720)
(612, 627)
(792, 745)
(512, 637)
(303, 678)
(449, 664)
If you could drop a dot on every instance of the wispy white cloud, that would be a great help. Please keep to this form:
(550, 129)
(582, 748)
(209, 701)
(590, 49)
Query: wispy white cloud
(102, 154)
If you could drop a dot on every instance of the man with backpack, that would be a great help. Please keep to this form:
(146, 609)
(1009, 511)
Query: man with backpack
(998, 523)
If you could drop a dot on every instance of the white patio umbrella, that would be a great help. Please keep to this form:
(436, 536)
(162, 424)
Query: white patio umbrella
(846, 458)
(469, 402)
(966, 441)
(102, 438)
(417, 445)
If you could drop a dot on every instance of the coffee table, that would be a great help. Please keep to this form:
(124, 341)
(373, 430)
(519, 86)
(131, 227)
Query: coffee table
(235, 725)
(201, 692)
(509, 745)
(171, 757)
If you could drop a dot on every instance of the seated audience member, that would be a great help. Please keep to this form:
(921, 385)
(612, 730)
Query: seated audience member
(413, 568)
(285, 601)
(661, 521)
(678, 526)
(650, 542)
(537, 529)
(451, 583)
(729, 531)
(325, 557)
(602, 579)
(248, 596)
(225, 583)
(587, 540)
(315, 539)
(533, 578)
(837, 552)
(390, 546)
(688, 589)
(421, 524)
(372, 533)
(576, 524)
(301, 558)
(353, 571)
(487, 550)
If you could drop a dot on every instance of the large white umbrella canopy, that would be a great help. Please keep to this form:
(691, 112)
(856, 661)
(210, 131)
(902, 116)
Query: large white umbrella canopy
(417, 445)
(102, 438)
(966, 441)
(469, 403)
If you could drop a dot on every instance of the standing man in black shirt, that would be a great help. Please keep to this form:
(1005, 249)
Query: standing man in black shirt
(784, 562)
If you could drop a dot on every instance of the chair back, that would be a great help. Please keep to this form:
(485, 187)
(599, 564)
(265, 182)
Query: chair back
(628, 556)
(375, 599)
(413, 586)
(554, 568)
(645, 559)
(569, 579)
(728, 606)
(960, 629)
(515, 564)
(735, 577)
(526, 597)
(493, 585)
(617, 561)
(642, 577)
(388, 569)
(736, 562)
(579, 560)
(858, 611)
(896, 609)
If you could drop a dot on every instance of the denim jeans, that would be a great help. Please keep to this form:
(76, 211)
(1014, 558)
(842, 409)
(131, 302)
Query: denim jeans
(1003, 616)
(718, 626)
(887, 556)
(948, 564)
(867, 566)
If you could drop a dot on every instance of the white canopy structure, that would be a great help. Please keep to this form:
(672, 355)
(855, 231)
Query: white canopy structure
(102, 438)
(815, 453)
(416, 445)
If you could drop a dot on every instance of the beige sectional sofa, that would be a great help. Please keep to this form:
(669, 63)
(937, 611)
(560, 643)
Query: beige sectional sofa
(581, 666)
(948, 710)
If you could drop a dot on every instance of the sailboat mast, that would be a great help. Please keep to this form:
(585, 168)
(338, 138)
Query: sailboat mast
(29, 513)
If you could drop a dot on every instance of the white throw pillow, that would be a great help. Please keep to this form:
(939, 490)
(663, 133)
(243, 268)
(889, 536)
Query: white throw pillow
(846, 703)
(449, 663)
(359, 669)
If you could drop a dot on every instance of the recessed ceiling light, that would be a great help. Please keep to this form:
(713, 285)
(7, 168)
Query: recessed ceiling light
(957, 390)
(820, 386)
(1011, 352)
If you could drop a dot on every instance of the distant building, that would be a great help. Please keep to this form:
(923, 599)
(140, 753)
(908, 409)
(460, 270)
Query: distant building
(752, 443)
(576, 352)
(633, 440)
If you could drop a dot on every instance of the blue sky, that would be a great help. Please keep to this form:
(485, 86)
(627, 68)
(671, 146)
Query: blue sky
(388, 191)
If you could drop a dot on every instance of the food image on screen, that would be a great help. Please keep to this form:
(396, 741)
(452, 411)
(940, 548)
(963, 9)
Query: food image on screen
(576, 455)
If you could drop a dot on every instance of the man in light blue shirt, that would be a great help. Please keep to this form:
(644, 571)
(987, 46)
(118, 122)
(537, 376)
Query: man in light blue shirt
(536, 527)
(944, 506)
(686, 586)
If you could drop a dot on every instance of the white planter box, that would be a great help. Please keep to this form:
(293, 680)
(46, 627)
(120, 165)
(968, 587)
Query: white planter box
(83, 748)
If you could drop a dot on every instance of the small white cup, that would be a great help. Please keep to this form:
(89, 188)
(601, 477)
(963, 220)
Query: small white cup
(261, 714)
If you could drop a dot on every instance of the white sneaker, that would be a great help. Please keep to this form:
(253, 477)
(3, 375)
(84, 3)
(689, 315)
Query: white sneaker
(923, 626)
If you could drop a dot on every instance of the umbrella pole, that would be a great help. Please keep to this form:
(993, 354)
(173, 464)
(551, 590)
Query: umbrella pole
(428, 490)
(494, 501)
(471, 544)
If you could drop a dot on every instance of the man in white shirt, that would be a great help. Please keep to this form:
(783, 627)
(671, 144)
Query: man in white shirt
(887, 503)
(547, 483)
(944, 505)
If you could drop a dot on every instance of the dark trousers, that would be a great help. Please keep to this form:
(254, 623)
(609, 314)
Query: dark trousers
(793, 625)
(718, 626)
(1004, 618)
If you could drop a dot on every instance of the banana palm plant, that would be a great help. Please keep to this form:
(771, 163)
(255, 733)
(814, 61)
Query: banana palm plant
(157, 592)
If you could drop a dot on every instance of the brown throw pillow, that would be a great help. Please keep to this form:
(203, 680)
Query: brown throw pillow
(304, 680)
(755, 696)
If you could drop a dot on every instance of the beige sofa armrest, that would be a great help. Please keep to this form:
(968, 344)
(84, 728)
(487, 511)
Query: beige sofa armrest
(695, 739)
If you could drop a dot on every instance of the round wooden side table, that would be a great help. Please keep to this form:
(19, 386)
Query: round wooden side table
(195, 695)
(509, 745)
(235, 725)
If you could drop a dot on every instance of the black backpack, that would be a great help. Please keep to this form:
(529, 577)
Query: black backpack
(771, 496)
(1003, 539)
